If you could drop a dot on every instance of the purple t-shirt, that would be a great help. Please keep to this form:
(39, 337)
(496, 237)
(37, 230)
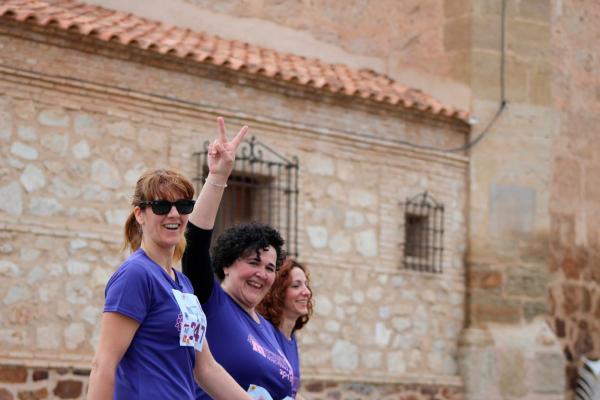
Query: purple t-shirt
(290, 350)
(155, 366)
(246, 349)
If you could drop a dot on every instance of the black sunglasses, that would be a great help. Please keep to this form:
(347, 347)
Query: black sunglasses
(162, 207)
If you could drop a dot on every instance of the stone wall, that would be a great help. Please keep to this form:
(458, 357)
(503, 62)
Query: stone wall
(17, 382)
(508, 339)
(77, 128)
(574, 203)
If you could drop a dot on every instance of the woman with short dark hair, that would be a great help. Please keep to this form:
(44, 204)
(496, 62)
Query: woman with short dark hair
(246, 258)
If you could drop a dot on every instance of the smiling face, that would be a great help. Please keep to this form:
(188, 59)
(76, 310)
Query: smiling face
(162, 231)
(297, 295)
(250, 277)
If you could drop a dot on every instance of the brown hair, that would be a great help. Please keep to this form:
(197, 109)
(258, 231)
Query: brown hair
(154, 185)
(272, 305)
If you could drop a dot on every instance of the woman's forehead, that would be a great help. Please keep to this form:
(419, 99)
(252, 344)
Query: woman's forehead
(168, 193)
(297, 274)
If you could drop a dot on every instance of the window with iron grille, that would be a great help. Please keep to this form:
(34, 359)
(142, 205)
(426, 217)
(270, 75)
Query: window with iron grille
(423, 233)
(263, 187)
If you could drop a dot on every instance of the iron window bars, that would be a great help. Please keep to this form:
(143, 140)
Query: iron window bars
(263, 187)
(423, 234)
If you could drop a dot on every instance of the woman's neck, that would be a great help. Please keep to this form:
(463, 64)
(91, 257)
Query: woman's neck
(162, 257)
(251, 311)
(286, 326)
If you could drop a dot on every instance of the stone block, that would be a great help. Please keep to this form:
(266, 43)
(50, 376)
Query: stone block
(527, 283)
(48, 337)
(56, 117)
(32, 178)
(366, 243)
(86, 125)
(486, 279)
(16, 294)
(457, 34)
(68, 389)
(353, 219)
(592, 177)
(56, 142)
(12, 374)
(81, 150)
(516, 79)
(540, 87)
(495, 309)
(9, 269)
(362, 198)
(460, 66)
(572, 299)
(44, 206)
(486, 76)
(512, 373)
(487, 8)
(486, 33)
(528, 31)
(24, 151)
(320, 165)
(396, 362)
(105, 174)
(535, 10)
(344, 355)
(27, 133)
(33, 394)
(457, 8)
(317, 235)
(340, 243)
(382, 334)
(122, 130)
(512, 210)
(323, 306)
(549, 373)
(40, 375)
(6, 125)
(535, 309)
(6, 395)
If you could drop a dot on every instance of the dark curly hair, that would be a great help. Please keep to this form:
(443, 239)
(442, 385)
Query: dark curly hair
(241, 240)
(271, 307)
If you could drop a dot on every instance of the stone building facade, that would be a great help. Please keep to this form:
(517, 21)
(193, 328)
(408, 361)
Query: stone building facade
(517, 305)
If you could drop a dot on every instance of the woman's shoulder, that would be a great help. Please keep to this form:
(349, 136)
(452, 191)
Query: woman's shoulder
(135, 266)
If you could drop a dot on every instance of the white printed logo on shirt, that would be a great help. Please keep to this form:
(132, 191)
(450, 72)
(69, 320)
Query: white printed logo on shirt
(191, 322)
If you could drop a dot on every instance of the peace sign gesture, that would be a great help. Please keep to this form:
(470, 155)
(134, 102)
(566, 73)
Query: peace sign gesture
(221, 153)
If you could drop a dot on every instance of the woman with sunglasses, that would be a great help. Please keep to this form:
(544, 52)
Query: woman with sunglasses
(245, 261)
(288, 306)
(152, 337)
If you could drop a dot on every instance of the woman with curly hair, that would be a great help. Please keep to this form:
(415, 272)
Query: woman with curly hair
(288, 306)
(245, 260)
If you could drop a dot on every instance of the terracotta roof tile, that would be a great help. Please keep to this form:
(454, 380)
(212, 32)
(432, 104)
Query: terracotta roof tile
(131, 30)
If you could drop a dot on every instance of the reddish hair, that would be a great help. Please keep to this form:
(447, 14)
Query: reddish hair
(271, 307)
(154, 185)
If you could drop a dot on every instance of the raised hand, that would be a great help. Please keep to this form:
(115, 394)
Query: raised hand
(221, 153)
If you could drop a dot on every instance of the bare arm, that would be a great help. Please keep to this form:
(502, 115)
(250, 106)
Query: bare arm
(221, 157)
(196, 264)
(213, 378)
(116, 333)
